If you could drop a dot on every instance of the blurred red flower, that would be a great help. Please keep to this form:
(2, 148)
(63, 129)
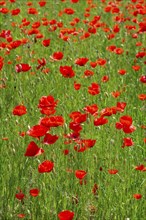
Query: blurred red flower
(34, 192)
(19, 110)
(37, 131)
(46, 166)
(137, 196)
(67, 71)
(33, 150)
(66, 215)
(81, 61)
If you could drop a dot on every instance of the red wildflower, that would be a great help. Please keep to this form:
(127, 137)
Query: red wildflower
(33, 150)
(88, 73)
(77, 86)
(142, 79)
(91, 109)
(69, 11)
(127, 142)
(137, 196)
(122, 72)
(66, 215)
(41, 62)
(46, 167)
(136, 67)
(15, 44)
(142, 97)
(101, 62)
(78, 117)
(113, 171)
(105, 78)
(118, 51)
(15, 11)
(94, 89)
(42, 3)
(100, 121)
(57, 56)
(53, 121)
(32, 11)
(95, 189)
(37, 131)
(75, 126)
(50, 139)
(67, 71)
(22, 67)
(74, 1)
(80, 174)
(19, 110)
(140, 167)
(20, 195)
(81, 61)
(93, 64)
(34, 192)
(21, 215)
(46, 42)
(116, 94)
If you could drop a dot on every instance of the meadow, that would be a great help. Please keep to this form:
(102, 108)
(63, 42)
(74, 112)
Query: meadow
(72, 109)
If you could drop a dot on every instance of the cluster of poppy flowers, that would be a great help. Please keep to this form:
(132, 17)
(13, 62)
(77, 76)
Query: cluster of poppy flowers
(47, 104)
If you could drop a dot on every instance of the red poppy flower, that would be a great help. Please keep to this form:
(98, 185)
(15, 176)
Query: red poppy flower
(50, 139)
(66, 215)
(69, 11)
(78, 117)
(116, 94)
(32, 11)
(80, 174)
(88, 73)
(42, 3)
(118, 51)
(74, 1)
(45, 167)
(77, 86)
(136, 67)
(57, 56)
(34, 192)
(142, 97)
(122, 72)
(15, 44)
(4, 10)
(101, 62)
(37, 131)
(46, 42)
(93, 64)
(22, 67)
(20, 195)
(105, 79)
(15, 11)
(67, 71)
(113, 171)
(127, 142)
(137, 196)
(142, 79)
(121, 106)
(53, 121)
(33, 150)
(75, 126)
(81, 61)
(94, 89)
(100, 121)
(91, 109)
(19, 110)
(21, 215)
(126, 120)
(140, 167)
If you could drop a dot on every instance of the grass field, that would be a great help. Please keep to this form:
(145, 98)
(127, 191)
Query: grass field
(72, 107)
